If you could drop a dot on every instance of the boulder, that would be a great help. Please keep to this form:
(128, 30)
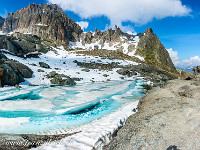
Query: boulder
(10, 76)
(12, 72)
(44, 65)
(86, 70)
(40, 70)
(59, 81)
(3, 44)
(127, 72)
(196, 69)
(184, 75)
(12, 47)
(25, 71)
(105, 75)
(52, 74)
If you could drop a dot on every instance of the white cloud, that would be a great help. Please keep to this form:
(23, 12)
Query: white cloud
(174, 56)
(193, 61)
(4, 13)
(83, 24)
(118, 11)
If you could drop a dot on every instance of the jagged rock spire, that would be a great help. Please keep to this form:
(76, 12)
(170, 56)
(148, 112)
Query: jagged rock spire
(115, 28)
(95, 29)
(149, 31)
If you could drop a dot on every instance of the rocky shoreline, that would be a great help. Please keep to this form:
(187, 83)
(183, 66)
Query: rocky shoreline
(167, 118)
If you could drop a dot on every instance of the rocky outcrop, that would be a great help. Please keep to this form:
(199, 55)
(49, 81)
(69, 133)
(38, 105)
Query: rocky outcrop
(154, 53)
(46, 21)
(156, 75)
(3, 44)
(196, 69)
(60, 79)
(108, 36)
(44, 65)
(12, 72)
(22, 44)
(1, 22)
(184, 75)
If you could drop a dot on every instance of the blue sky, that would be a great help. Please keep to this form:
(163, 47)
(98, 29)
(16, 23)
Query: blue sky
(178, 27)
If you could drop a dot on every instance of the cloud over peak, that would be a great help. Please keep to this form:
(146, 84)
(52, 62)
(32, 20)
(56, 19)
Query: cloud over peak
(83, 24)
(118, 11)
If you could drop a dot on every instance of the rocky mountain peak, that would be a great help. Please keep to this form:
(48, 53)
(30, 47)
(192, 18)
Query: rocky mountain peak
(149, 31)
(103, 36)
(154, 53)
(46, 21)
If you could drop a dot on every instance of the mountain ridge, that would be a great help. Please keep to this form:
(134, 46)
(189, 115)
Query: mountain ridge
(52, 25)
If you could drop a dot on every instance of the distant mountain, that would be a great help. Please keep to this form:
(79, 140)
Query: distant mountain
(188, 69)
(1, 22)
(46, 21)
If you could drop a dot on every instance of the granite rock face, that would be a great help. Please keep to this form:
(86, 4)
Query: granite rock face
(1, 22)
(12, 72)
(46, 21)
(154, 53)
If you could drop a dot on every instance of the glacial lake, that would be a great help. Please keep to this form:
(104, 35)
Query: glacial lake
(42, 109)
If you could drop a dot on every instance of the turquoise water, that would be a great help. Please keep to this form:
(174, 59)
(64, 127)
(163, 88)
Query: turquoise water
(43, 109)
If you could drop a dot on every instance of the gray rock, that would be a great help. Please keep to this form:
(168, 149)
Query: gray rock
(59, 81)
(10, 76)
(52, 74)
(44, 65)
(12, 47)
(25, 71)
(127, 72)
(105, 75)
(196, 69)
(40, 70)
(86, 70)
(12, 72)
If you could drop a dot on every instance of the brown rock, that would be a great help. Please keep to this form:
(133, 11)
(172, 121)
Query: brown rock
(148, 31)
(184, 75)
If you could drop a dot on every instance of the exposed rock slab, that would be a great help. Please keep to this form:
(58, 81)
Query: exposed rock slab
(168, 117)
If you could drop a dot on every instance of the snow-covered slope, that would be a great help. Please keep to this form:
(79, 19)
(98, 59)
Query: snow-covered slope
(61, 61)
(126, 46)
